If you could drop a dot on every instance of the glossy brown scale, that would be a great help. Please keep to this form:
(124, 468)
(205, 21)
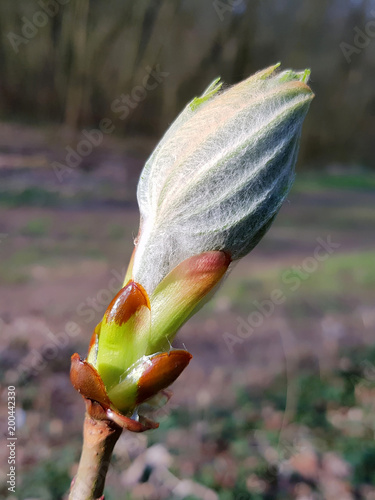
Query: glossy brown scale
(126, 303)
(86, 380)
(164, 370)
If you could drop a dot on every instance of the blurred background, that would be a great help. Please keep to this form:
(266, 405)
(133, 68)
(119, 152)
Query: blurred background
(278, 401)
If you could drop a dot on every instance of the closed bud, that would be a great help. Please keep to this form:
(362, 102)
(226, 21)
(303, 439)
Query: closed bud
(221, 172)
(207, 195)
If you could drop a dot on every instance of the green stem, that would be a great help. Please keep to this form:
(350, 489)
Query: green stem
(99, 439)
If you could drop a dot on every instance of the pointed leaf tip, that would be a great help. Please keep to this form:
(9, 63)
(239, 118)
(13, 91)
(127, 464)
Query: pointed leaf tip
(210, 91)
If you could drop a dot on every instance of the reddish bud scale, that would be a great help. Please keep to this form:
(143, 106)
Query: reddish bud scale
(126, 303)
(94, 337)
(87, 381)
(210, 262)
(141, 425)
(163, 371)
(92, 340)
(209, 267)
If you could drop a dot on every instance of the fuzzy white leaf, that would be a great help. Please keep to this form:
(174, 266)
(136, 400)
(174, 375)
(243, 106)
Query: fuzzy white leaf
(221, 172)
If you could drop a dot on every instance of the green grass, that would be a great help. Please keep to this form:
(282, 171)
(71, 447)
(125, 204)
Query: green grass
(357, 269)
(322, 181)
(316, 397)
(39, 226)
(340, 275)
(32, 196)
(51, 478)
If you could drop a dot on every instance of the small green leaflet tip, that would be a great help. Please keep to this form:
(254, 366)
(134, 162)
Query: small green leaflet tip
(267, 73)
(306, 75)
(289, 75)
(211, 90)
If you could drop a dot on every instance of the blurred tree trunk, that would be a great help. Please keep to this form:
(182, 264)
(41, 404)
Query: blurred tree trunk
(78, 76)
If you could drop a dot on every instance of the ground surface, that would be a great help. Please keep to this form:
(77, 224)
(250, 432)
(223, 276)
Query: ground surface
(278, 401)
